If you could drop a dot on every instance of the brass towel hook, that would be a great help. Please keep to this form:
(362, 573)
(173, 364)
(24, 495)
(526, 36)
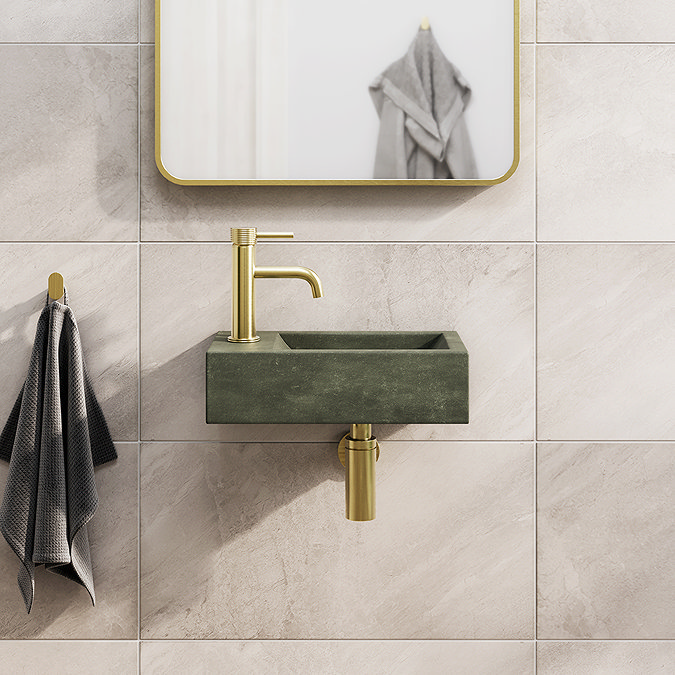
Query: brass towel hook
(55, 286)
(425, 25)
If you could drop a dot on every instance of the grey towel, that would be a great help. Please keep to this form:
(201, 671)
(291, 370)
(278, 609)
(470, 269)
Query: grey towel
(420, 100)
(55, 435)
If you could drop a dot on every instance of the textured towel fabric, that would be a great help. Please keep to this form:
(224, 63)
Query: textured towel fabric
(55, 435)
(420, 100)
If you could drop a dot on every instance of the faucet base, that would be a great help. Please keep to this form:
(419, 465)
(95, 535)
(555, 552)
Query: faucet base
(255, 338)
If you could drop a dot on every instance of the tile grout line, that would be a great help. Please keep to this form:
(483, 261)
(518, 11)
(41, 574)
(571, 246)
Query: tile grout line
(362, 242)
(138, 344)
(364, 640)
(605, 44)
(330, 441)
(535, 87)
(486, 441)
(69, 44)
(361, 640)
(535, 42)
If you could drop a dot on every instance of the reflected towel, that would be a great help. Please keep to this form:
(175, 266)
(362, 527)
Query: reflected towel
(55, 435)
(420, 100)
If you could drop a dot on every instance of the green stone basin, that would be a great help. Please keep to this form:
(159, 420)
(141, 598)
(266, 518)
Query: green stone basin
(338, 378)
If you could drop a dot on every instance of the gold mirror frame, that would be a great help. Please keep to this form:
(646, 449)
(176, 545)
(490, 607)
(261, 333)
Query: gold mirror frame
(410, 182)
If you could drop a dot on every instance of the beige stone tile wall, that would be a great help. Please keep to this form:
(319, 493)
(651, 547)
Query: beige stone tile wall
(597, 656)
(69, 147)
(606, 163)
(80, 21)
(224, 548)
(254, 543)
(74, 657)
(341, 657)
(606, 346)
(605, 539)
(606, 21)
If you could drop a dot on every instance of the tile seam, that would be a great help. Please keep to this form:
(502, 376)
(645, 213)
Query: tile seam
(139, 91)
(665, 43)
(535, 83)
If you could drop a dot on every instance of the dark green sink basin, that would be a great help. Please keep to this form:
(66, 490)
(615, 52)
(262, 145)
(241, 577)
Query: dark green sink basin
(338, 378)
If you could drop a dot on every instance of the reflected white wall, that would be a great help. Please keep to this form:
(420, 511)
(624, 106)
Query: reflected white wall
(223, 93)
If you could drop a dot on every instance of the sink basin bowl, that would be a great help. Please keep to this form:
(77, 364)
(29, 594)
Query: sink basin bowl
(338, 378)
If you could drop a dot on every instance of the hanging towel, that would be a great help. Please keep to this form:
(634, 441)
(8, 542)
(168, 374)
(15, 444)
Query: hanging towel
(55, 435)
(420, 100)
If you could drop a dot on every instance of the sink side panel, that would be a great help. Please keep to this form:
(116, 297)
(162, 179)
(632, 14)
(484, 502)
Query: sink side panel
(315, 387)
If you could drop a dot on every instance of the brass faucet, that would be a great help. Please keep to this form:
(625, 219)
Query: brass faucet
(244, 274)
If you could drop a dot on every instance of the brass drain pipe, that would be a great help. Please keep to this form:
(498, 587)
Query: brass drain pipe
(358, 452)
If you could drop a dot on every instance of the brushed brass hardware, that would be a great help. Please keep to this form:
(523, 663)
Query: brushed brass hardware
(342, 448)
(55, 286)
(247, 236)
(274, 235)
(244, 274)
(358, 451)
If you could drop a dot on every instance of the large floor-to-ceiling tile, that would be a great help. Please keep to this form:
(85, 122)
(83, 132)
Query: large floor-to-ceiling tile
(606, 21)
(101, 280)
(341, 657)
(250, 541)
(62, 609)
(69, 657)
(606, 541)
(74, 21)
(69, 147)
(606, 342)
(606, 151)
(503, 212)
(485, 292)
(605, 658)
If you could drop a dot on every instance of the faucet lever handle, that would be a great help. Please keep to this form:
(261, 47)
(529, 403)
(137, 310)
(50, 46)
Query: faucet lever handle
(274, 235)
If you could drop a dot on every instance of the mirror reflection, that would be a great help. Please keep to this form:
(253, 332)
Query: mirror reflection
(355, 90)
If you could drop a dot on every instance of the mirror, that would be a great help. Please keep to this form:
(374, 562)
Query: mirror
(355, 92)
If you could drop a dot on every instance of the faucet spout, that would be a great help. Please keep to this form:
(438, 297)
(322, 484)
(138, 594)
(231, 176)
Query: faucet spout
(310, 276)
(244, 274)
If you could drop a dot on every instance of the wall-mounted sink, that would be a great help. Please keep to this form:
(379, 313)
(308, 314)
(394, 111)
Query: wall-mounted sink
(351, 378)
(338, 378)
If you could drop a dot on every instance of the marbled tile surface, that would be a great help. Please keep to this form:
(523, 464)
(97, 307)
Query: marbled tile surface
(73, 21)
(528, 17)
(338, 657)
(605, 658)
(102, 285)
(69, 145)
(503, 212)
(606, 541)
(147, 20)
(485, 292)
(68, 657)
(606, 342)
(250, 541)
(63, 609)
(606, 148)
(606, 21)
